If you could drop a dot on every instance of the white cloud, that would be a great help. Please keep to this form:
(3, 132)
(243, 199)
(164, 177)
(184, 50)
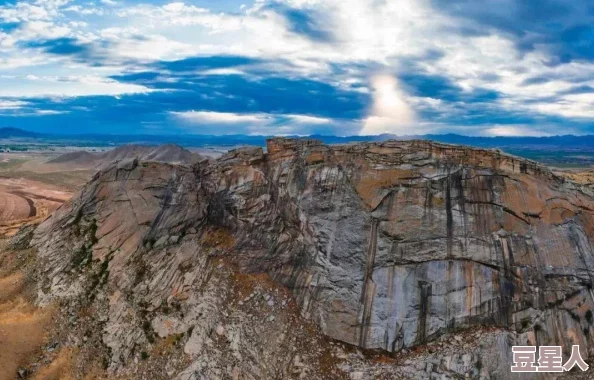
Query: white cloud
(366, 33)
(11, 104)
(305, 119)
(23, 87)
(23, 12)
(86, 11)
(49, 112)
(23, 61)
(226, 71)
(257, 123)
(513, 130)
(39, 112)
(206, 117)
(172, 14)
(152, 48)
(21, 108)
(40, 31)
(577, 106)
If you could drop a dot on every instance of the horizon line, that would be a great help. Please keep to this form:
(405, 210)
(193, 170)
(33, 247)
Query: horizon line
(286, 136)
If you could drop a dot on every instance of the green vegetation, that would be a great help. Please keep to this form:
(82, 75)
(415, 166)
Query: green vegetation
(93, 232)
(98, 278)
(82, 257)
(14, 148)
(148, 331)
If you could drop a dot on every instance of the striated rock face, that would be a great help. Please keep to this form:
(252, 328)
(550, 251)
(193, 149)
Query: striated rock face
(383, 246)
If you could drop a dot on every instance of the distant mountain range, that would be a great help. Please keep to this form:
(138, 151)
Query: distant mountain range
(558, 151)
(9, 132)
(566, 142)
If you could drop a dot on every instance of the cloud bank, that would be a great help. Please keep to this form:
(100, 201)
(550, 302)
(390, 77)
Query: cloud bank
(299, 66)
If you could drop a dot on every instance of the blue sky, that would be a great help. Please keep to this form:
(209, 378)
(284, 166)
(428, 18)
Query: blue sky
(342, 67)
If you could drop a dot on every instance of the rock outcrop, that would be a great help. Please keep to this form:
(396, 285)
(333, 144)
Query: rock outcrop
(388, 247)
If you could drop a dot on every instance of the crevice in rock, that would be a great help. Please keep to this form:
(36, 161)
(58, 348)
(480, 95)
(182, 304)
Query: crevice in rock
(368, 290)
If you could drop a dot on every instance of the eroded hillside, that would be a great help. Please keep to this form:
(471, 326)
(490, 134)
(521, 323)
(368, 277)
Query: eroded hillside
(372, 260)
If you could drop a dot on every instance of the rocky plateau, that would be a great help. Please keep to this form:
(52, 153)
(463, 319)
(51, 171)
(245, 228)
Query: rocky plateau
(390, 260)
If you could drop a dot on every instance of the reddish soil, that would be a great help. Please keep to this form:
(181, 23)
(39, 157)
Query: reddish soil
(24, 201)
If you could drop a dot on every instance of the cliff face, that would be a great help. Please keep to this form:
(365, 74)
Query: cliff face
(385, 246)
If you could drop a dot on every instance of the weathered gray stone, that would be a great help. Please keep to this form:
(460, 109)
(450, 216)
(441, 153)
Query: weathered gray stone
(383, 245)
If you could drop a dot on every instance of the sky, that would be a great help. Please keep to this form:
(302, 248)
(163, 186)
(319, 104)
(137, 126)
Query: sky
(298, 67)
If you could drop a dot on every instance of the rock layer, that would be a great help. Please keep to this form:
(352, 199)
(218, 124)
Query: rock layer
(385, 246)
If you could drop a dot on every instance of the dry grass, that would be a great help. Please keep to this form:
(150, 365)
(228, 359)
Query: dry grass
(61, 368)
(10, 286)
(245, 283)
(584, 177)
(218, 237)
(166, 346)
(23, 327)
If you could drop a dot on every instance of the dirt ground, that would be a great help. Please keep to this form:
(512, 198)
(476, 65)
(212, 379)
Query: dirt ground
(23, 326)
(34, 166)
(31, 189)
(24, 201)
(30, 336)
(59, 369)
(25, 197)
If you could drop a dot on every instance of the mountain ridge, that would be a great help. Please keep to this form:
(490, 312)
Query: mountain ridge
(170, 153)
(7, 132)
(394, 246)
(260, 140)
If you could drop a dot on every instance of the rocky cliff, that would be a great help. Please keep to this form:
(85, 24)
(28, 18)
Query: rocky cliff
(318, 261)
